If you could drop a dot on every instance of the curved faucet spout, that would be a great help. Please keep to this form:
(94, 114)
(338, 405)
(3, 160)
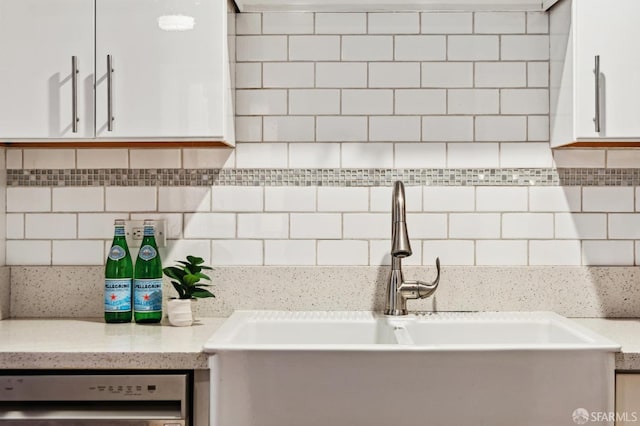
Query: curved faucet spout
(400, 245)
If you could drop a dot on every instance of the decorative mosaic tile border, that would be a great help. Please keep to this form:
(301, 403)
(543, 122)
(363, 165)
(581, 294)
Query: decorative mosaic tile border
(323, 177)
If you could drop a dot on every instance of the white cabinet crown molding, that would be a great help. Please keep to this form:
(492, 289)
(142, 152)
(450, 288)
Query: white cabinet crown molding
(390, 5)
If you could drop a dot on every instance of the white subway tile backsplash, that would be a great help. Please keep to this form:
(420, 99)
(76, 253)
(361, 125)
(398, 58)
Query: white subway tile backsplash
(98, 225)
(607, 199)
(249, 75)
(394, 23)
(447, 129)
(394, 74)
(50, 225)
(237, 198)
(248, 129)
(501, 199)
(341, 74)
(450, 252)
(367, 101)
(341, 23)
(366, 225)
(316, 225)
(130, 199)
(236, 252)
(15, 226)
(21, 252)
(78, 199)
(368, 154)
(420, 155)
(314, 48)
(288, 74)
(39, 158)
(209, 158)
(341, 129)
(501, 128)
(555, 199)
(287, 252)
(343, 252)
(261, 102)
(155, 158)
(183, 199)
(499, 23)
(289, 199)
(524, 101)
(80, 252)
(421, 101)
(473, 101)
(449, 198)
(367, 48)
(447, 23)
(28, 199)
(380, 254)
(625, 226)
(427, 225)
(343, 199)
(537, 23)
(209, 225)
(525, 47)
(314, 155)
(527, 225)
(462, 155)
(314, 101)
(14, 158)
(287, 23)
(581, 226)
(263, 225)
(579, 157)
(420, 48)
(473, 225)
(248, 23)
(538, 128)
(289, 129)
(538, 74)
(381, 198)
(473, 48)
(607, 253)
(394, 128)
(261, 155)
(501, 253)
(501, 74)
(530, 154)
(261, 48)
(447, 74)
(101, 158)
(180, 249)
(551, 252)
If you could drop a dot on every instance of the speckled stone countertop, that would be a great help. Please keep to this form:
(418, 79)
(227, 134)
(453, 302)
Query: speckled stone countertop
(92, 344)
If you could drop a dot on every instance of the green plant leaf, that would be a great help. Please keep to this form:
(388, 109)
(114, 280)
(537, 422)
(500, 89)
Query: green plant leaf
(178, 288)
(174, 272)
(203, 276)
(207, 267)
(202, 293)
(195, 260)
(190, 279)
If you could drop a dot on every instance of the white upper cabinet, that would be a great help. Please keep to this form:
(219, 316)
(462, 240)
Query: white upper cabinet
(38, 40)
(595, 86)
(169, 78)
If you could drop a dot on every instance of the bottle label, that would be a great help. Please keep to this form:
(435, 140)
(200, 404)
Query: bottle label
(117, 295)
(117, 253)
(148, 231)
(147, 295)
(147, 253)
(119, 231)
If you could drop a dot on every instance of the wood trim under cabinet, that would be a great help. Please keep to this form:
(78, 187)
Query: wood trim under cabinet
(161, 144)
(600, 144)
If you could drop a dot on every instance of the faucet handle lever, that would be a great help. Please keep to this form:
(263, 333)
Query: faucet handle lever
(421, 289)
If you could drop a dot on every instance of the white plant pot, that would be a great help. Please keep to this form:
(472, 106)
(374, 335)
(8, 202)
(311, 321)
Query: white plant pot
(179, 312)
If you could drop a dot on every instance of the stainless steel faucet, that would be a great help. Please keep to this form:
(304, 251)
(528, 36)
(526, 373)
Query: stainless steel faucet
(399, 290)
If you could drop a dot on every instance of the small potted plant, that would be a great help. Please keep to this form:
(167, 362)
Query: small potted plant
(185, 278)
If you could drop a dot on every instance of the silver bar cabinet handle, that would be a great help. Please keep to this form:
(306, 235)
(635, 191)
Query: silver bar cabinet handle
(596, 71)
(74, 94)
(109, 94)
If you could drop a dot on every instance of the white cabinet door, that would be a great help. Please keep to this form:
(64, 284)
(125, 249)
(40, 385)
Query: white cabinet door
(167, 61)
(37, 41)
(608, 28)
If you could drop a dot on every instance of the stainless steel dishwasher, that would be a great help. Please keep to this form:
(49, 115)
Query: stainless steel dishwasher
(104, 399)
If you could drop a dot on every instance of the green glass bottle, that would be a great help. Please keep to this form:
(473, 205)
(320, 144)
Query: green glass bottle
(118, 273)
(147, 280)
